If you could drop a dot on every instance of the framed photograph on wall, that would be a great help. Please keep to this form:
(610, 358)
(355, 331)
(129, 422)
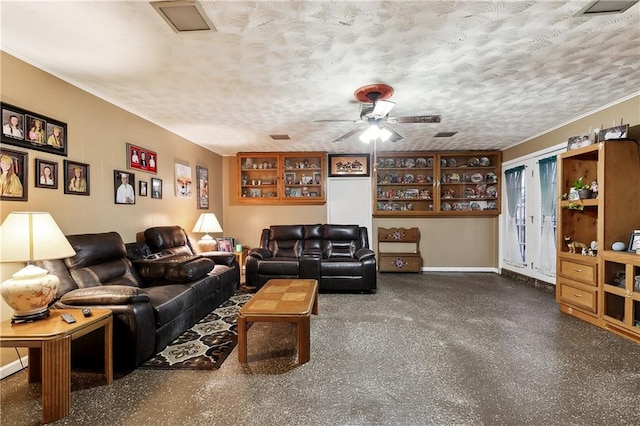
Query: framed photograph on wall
(76, 178)
(30, 130)
(142, 188)
(46, 174)
(156, 188)
(123, 187)
(139, 158)
(183, 181)
(225, 244)
(202, 174)
(347, 165)
(13, 169)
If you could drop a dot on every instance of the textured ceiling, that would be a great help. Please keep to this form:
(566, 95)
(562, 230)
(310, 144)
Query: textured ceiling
(498, 72)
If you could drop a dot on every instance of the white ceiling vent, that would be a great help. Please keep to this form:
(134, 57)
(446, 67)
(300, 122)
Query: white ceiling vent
(184, 16)
(605, 7)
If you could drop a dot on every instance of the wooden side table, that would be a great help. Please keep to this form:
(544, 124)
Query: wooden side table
(49, 343)
(241, 256)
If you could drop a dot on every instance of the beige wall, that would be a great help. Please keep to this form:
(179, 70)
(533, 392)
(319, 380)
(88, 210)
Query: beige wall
(97, 134)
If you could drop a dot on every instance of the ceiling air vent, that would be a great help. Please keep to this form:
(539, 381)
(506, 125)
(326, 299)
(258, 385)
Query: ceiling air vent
(444, 134)
(184, 16)
(280, 137)
(605, 7)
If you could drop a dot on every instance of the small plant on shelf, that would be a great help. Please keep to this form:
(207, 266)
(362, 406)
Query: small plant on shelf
(584, 189)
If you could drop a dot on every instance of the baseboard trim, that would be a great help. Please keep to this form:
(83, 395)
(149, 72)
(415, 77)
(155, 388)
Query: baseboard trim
(460, 269)
(13, 367)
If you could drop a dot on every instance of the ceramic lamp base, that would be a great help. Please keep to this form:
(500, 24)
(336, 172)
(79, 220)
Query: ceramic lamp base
(17, 319)
(207, 244)
(29, 292)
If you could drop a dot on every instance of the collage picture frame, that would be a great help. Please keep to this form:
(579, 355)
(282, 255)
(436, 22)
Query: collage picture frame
(31, 130)
(143, 159)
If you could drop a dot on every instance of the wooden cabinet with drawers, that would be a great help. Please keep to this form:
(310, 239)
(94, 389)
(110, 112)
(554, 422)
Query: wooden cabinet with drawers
(595, 283)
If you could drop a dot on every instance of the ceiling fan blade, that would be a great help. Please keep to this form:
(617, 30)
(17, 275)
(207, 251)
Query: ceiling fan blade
(336, 121)
(416, 119)
(395, 136)
(382, 108)
(350, 133)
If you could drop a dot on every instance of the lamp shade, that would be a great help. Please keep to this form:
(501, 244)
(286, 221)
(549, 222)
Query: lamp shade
(207, 222)
(28, 236)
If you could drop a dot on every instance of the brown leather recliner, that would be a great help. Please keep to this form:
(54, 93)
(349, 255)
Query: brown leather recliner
(338, 256)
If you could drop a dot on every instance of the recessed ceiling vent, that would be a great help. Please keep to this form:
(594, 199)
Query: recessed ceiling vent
(184, 16)
(280, 137)
(605, 7)
(444, 134)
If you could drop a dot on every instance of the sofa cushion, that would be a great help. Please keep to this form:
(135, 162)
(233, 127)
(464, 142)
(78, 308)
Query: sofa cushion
(115, 272)
(95, 248)
(286, 240)
(340, 241)
(166, 237)
(105, 295)
(174, 268)
(169, 301)
(341, 266)
(280, 266)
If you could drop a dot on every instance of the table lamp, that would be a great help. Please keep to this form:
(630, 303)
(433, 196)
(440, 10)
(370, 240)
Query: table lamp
(207, 222)
(25, 237)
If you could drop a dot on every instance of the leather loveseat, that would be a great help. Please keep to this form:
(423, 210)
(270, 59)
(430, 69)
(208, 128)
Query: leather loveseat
(153, 297)
(338, 256)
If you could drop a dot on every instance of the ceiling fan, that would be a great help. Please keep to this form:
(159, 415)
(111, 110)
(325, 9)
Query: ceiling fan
(374, 114)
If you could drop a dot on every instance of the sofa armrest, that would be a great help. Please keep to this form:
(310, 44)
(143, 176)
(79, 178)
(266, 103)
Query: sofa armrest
(219, 257)
(260, 253)
(310, 260)
(105, 295)
(364, 253)
(174, 268)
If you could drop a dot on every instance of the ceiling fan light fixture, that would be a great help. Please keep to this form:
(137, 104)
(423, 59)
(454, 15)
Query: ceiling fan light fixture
(373, 132)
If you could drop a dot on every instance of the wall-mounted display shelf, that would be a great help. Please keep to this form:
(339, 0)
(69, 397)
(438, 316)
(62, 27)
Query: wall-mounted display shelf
(281, 178)
(450, 183)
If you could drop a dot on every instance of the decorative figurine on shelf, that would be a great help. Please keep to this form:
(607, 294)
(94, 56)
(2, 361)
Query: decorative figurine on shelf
(594, 189)
(573, 245)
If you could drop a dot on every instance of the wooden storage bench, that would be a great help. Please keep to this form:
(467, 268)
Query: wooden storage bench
(399, 260)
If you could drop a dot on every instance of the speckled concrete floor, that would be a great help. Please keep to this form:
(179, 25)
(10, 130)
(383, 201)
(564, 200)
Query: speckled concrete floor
(464, 349)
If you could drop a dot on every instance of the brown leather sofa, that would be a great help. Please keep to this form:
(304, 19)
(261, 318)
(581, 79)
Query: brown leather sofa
(338, 256)
(156, 289)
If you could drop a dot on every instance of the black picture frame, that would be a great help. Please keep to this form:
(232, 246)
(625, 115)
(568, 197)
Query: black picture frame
(634, 241)
(342, 165)
(40, 176)
(124, 192)
(76, 178)
(156, 188)
(53, 141)
(143, 188)
(17, 163)
(202, 184)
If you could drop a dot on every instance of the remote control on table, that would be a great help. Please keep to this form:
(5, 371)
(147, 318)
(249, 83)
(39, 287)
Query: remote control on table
(86, 312)
(68, 318)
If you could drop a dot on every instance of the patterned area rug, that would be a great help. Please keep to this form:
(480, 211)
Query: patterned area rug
(207, 344)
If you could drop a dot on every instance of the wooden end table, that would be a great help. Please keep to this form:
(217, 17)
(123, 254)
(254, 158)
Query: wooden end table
(281, 300)
(49, 343)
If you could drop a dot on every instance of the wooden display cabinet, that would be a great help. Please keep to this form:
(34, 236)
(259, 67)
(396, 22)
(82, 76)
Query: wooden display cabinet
(282, 178)
(424, 184)
(587, 283)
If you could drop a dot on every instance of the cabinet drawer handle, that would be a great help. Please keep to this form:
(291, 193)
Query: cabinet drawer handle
(577, 295)
(577, 270)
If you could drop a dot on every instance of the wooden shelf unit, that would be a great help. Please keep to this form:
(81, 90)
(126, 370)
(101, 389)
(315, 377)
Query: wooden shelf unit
(585, 285)
(399, 261)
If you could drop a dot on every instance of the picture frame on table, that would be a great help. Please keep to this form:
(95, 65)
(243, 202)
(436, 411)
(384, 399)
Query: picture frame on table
(579, 141)
(349, 165)
(202, 174)
(225, 244)
(46, 174)
(156, 188)
(76, 178)
(124, 184)
(634, 241)
(15, 163)
(139, 158)
(31, 130)
(143, 188)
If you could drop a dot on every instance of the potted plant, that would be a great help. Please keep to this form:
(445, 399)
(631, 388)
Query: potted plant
(584, 190)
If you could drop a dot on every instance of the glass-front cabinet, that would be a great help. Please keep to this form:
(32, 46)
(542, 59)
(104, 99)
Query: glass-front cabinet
(621, 291)
(430, 183)
(281, 178)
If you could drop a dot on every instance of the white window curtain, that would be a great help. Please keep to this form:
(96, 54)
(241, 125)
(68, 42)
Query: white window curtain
(513, 180)
(548, 190)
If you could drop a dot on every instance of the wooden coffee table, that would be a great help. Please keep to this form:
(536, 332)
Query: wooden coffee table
(49, 343)
(282, 300)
